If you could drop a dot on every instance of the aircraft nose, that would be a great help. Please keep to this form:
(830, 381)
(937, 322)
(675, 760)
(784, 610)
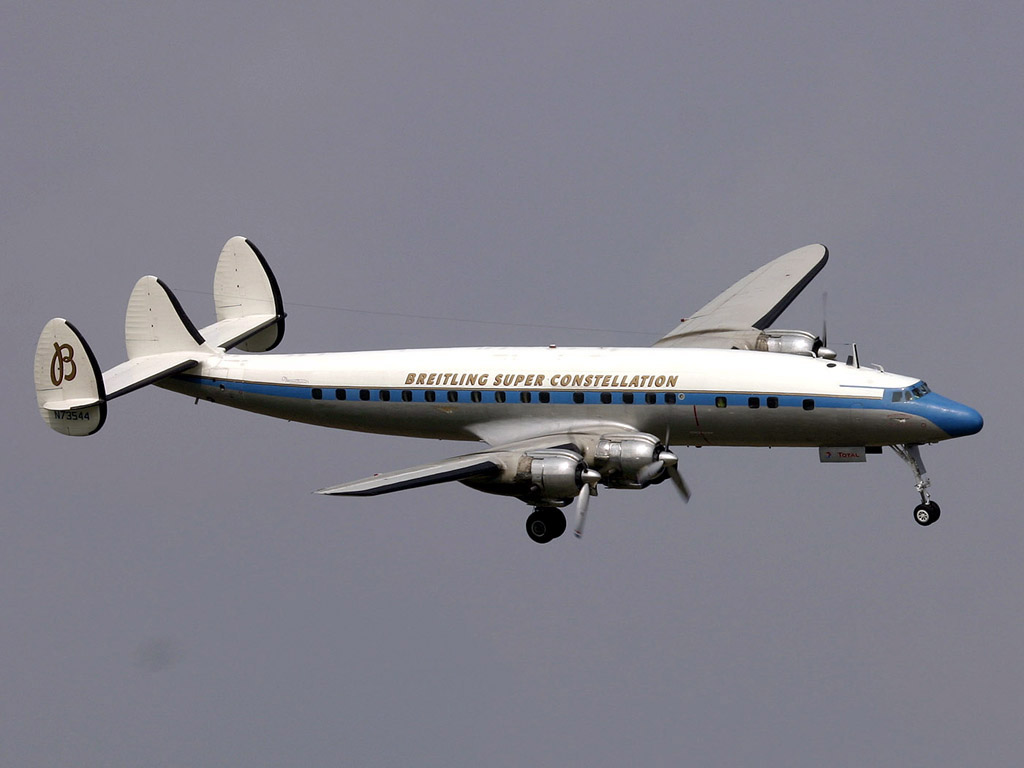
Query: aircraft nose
(967, 422)
(956, 419)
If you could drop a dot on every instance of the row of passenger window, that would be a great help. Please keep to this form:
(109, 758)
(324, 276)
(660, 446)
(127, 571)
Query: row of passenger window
(500, 396)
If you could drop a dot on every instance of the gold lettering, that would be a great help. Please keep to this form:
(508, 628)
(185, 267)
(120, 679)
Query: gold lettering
(410, 378)
(539, 380)
(659, 382)
(431, 379)
(671, 381)
(63, 355)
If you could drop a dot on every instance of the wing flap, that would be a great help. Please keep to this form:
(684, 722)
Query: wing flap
(737, 315)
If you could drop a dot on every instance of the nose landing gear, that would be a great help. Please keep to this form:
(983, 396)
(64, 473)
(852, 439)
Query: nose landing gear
(927, 512)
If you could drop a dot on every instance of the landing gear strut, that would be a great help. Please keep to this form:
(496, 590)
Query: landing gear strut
(545, 524)
(927, 512)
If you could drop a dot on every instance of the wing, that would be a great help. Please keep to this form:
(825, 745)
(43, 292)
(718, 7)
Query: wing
(736, 317)
(474, 465)
(501, 461)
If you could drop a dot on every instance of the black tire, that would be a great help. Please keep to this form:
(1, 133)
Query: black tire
(556, 521)
(538, 526)
(545, 524)
(927, 513)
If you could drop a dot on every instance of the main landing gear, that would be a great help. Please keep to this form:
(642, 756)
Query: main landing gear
(545, 524)
(927, 512)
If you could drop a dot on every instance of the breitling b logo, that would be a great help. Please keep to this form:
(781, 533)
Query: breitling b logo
(62, 364)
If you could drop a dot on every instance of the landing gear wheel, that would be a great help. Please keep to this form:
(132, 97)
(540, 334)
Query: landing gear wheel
(927, 513)
(545, 524)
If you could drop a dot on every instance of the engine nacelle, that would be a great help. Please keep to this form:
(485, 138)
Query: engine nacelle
(548, 476)
(802, 343)
(619, 458)
(554, 474)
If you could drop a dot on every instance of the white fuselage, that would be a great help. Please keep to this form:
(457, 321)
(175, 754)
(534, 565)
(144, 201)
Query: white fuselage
(499, 394)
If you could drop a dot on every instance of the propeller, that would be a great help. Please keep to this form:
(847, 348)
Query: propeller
(823, 349)
(591, 477)
(670, 462)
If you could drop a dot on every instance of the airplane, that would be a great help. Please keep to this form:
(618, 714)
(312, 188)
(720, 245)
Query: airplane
(558, 421)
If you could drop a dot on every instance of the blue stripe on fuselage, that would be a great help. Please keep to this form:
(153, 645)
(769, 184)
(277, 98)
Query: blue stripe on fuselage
(953, 418)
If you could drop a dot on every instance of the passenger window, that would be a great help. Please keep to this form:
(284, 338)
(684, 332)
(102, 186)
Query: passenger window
(364, 394)
(453, 396)
(499, 397)
(650, 398)
(545, 397)
(430, 395)
(385, 395)
(808, 404)
(606, 397)
(627, 398)
(475, 396)
(406, 396)
(670, 398)
(772, 402)
(340, 394)
(577, 397)
(721, 402)
(754, 402)
(318, 394)
(525, 397)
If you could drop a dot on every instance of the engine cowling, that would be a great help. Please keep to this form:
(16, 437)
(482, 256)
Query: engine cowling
(556, 474)
(620, 458)
(548, 476)
(802, 343)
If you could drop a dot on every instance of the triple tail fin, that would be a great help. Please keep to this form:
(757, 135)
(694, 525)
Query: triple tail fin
(160, 339)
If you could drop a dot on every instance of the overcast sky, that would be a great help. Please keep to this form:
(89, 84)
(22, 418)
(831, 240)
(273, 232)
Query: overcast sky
(461, 173)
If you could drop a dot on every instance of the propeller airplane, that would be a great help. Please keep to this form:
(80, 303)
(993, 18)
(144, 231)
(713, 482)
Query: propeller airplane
(558, 421)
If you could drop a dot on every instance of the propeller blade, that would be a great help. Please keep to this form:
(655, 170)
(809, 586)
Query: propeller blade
(582, 502)
(677, 478)
(824, 319)
(591, 477)
(651, 471)
(823, 351)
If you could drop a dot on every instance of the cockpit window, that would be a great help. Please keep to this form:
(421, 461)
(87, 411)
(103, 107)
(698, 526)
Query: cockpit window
(910, 393)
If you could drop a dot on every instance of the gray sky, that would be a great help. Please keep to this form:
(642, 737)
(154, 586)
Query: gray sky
(172, 594)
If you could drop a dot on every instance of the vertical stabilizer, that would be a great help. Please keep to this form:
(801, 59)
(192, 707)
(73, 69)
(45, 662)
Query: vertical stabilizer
(250, 313)
(69, 385)
(155, 322)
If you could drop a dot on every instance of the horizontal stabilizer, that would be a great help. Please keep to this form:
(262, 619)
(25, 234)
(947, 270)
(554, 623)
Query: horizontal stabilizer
(458, 468)
(137, 373)
(250, 313)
